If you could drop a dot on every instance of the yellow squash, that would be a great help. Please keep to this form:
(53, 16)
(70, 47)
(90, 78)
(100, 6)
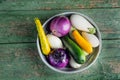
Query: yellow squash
(42, 37)
(84, 44)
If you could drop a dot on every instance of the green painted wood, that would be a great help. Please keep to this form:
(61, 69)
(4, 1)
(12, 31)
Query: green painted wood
(56, 4)
(22, 62)
(19, 59)
(19, 26)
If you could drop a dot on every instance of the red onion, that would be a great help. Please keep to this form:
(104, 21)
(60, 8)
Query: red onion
(60, 26)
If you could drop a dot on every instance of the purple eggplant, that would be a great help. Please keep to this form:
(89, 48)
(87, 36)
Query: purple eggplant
(60, 26)
(58, 58)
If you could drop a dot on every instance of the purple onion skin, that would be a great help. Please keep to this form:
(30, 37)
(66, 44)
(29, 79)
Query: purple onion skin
(60, 26)
(58, 58)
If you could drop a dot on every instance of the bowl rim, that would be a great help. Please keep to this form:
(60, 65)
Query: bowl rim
(80, 70)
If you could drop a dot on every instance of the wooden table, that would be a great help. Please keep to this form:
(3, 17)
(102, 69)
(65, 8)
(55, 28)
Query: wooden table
(19, 59)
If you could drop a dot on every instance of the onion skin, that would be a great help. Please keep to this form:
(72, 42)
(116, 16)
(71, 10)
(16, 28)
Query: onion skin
(60, 26)
(58, 58)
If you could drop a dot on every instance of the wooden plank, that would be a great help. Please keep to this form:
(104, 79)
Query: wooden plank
(22, 62)
(56, 4)
(18, 26)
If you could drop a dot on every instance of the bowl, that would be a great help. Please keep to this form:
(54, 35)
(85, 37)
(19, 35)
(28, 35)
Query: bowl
(90, 59)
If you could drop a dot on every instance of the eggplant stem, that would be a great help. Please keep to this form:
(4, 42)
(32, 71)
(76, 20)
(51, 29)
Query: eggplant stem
(92, 30)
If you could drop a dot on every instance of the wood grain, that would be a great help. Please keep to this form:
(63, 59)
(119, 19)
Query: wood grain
(19, 26)
(56, 4)
(19, 59)
(22, 62)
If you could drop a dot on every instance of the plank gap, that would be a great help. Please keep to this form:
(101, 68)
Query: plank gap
(18, 43)
(60, 9)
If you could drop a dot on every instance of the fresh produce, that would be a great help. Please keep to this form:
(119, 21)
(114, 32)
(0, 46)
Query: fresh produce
(76, 52)
(81, 23)
(43, 40)
(67, 47)
(73, 63)
(84, 44)
(58, 58)
(93, 40)
(85, 53)
(54, 41)
(60, 26)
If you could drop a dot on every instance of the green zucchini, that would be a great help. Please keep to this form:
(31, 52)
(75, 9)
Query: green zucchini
(75, 51)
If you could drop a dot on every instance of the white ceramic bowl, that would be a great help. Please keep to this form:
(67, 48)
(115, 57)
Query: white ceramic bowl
(90, 59)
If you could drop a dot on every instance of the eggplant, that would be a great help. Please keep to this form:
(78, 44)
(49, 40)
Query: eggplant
(58, 58)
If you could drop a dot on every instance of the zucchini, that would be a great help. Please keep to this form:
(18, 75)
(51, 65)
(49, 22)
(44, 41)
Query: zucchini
(75, 51)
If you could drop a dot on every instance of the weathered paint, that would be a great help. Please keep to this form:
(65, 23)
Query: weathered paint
(18, 26)
(19, 59)
(22, 62)
(56, 4)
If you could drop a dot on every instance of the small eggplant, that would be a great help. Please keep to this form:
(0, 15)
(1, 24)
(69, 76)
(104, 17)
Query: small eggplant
(81, 23)
(58, 58)
(54, 41)
(91, 39)
(73, 63)
(60, 26)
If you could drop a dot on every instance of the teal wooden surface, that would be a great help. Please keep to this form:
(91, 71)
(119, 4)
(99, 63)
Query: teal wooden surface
(18, 26)
(19, 59)
(56, 4)
(22, 62)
